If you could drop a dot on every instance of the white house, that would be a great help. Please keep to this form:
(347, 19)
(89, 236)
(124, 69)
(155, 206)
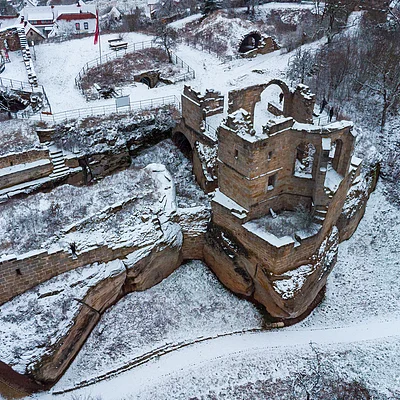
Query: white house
(56, 20)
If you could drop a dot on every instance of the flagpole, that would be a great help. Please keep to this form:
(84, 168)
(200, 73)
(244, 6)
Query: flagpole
(97, 32)
(98, 22)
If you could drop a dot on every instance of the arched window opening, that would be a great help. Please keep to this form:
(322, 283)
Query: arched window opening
(146, 81)
(182, 144)
(304, 162)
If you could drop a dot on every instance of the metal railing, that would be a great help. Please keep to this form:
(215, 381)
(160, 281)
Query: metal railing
(111, 56)
(19, 85)
(189, 74)
(65, 116)
(26, 87)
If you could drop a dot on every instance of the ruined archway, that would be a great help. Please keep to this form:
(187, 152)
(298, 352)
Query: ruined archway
(274, 100)
(250, 42)
(146, 81)
(183, 144)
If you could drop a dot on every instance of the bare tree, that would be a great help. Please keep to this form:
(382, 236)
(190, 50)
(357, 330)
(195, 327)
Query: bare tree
(334, 18)
(380, 74)
(302, 65)
(166, 37)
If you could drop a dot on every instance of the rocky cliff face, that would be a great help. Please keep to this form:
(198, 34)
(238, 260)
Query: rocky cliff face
(70, 305)
(289, 296)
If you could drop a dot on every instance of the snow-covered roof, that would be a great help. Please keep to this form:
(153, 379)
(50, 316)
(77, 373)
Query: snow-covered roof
(50, 13)
(29, 27)
(75, 16)
(38, 14)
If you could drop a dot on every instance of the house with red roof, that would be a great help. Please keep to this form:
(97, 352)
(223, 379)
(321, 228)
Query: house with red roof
(57, 20)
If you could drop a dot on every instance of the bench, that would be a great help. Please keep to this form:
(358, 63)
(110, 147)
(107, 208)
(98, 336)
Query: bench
(116, 46)
(113, 40)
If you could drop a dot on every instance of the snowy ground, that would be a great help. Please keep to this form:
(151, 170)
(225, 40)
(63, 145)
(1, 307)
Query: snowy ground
(55, 70)
(55, 304)
(27, 223)
(191, 303)
(16, 68)
(188, 192)
(356, 330)
(17, 136)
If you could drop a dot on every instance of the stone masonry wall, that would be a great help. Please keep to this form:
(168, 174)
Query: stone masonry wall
(20, 273)
(9, 160)
(29, 173)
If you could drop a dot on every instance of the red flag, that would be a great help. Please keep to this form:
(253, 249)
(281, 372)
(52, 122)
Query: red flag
(97, 31)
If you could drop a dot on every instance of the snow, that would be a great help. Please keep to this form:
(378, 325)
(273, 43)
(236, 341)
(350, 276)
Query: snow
(21, 167)
(293, 281)
(27, 223)
(208, 158)
(223, 200)
(17, 137)
(54, 70)
(281, 229)
(356, 327)
(188, 193)
(180, 23)
(188, 305)
(270, 238)
(33, 322)
(332, 179)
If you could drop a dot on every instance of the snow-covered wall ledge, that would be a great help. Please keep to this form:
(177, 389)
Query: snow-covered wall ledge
(85, 242)
(176, 234)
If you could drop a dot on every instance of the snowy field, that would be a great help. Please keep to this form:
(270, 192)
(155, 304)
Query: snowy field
(55, 304)
(57, 65)
(17, 136)
(188, 305)
(27, 223)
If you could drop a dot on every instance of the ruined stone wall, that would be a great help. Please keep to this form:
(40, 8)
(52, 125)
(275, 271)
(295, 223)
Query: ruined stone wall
(213, 103)
(245, 98)
(206, 185)
(301, 105)
(20, 273)
(9, 160)
(245, 167)
(192, 112)
(29, 173)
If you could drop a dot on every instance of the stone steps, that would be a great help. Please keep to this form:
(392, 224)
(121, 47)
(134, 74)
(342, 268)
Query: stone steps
(58, 161)
(320, 214)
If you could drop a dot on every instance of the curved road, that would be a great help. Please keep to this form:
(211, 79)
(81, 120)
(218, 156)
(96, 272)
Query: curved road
(198, 354)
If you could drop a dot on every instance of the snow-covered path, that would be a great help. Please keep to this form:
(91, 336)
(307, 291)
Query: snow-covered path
(222, 349)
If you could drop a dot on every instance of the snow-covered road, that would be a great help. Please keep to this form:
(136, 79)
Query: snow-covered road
(220, 350)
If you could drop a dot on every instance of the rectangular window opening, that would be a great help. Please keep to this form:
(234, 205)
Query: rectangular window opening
(78, 26)
(269, 156)
(86, 25)
(271, 182)
(236, 154)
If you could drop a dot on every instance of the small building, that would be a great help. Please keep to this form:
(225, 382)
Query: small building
(61, 19)
(33, 34)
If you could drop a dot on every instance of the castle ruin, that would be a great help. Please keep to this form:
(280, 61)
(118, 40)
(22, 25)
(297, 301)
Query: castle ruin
(281, 182)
